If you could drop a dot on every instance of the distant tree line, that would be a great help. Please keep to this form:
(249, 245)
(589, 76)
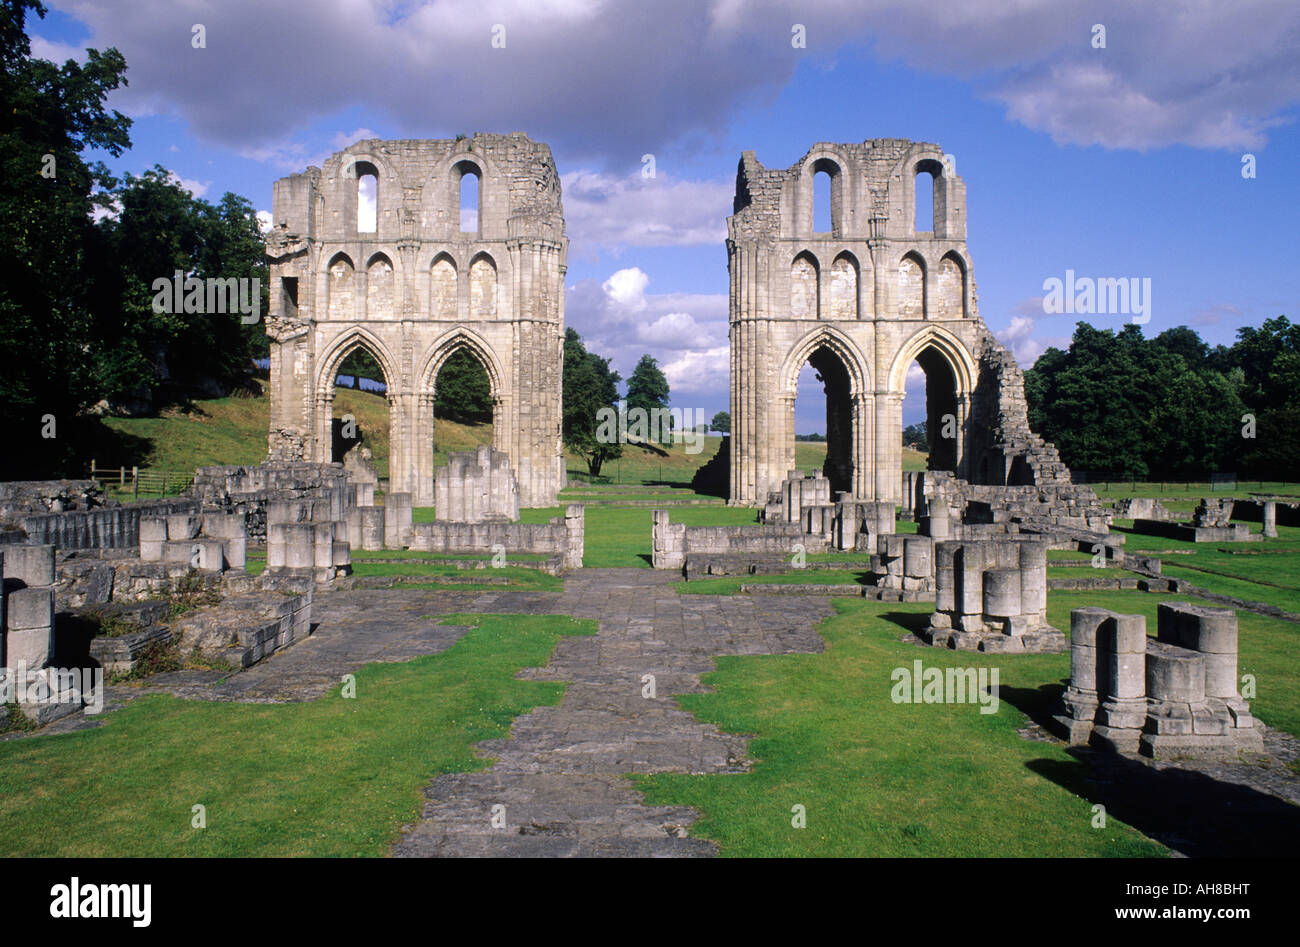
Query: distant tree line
(1171, 406)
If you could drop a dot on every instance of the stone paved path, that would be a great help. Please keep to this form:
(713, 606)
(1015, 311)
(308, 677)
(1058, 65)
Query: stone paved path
(560, 775)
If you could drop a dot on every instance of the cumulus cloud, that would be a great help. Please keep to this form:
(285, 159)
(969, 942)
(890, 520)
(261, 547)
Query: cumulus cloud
(617, 80)
(196, 188)
(625, 289)
(1020, 337)
(687, 332)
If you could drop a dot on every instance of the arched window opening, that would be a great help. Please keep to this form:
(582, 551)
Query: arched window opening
(926, 182)
(469, 199)
(822, 222)
(367, 198)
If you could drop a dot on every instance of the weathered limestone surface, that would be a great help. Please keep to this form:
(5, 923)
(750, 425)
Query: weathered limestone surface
(27, 606)
(1211, 523)
(476, 486)
(991, 595)
(672, 543)
(861, 303)
(562, 534)
(1172, 697)
(418, 289)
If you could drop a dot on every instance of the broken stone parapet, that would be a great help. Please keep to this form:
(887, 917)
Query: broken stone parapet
(561, 534)
(211, 542)
(672, 542)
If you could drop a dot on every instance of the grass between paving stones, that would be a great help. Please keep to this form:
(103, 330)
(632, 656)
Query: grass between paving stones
(329, 777)
(879, 778)
(519, 577)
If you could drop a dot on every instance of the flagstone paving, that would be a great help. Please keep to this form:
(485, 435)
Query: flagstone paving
(561, 775)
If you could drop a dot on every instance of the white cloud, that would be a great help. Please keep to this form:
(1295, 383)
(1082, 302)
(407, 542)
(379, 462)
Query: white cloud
(700, 373)
(196, 188)
(57, 53)
(1024, 344)
(618, 80)
(686, 332)
(603, 210)
(113, 211)
(265, 220)
(626, 289)
(669, 330)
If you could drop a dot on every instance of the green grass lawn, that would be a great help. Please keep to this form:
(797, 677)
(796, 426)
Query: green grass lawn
(887, 779)
(1266, 570)
(879, 778)
(328, 777)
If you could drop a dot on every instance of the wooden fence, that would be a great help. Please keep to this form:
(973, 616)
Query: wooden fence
(141, 482)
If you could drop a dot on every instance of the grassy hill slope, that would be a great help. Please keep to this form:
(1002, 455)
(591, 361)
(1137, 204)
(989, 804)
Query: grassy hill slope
(233, 431)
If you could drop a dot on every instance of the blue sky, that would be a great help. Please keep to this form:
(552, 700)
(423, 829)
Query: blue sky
(1122, 161)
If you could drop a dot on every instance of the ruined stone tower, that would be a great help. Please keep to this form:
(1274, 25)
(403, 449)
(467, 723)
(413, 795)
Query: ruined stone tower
(860, 302)
(418, 288)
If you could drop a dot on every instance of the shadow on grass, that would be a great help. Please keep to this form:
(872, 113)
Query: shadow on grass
(1187, 810)
(1190, 811)
(908, 621)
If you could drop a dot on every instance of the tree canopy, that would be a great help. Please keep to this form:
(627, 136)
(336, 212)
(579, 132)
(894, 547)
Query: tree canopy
(589, 386)
(647, 389)
(1171, 406)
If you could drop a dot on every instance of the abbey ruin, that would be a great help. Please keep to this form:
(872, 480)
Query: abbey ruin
(861, 303)
(415, 290)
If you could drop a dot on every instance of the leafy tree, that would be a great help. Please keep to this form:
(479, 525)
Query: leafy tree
(463, 393)
(1119, 403)
(51, 114)
(916, 434)
(647, 389)
(1268, 361)
(589, 386)
(162, 229)
(721, 422)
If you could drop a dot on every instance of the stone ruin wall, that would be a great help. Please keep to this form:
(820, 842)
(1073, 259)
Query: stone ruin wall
(861, 302)
(415, 291)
